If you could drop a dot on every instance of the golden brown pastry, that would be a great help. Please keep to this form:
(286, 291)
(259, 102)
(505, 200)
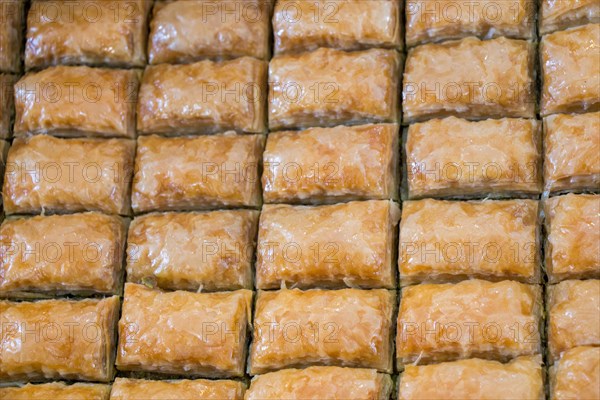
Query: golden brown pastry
(317, 383)
(573, 237)
(341, 245)
(7, 103)
(92, 32)
(77, 101)
(576, 375)
(326, 165)
(47, 174)
(454, 157)
(140, 389)
(184, 333)
(447, 241)
(573, 316)
(184, 31)
(474, 379)
(11, 35)
(62, 254)
(56, 391)
(570, 70)
(558, 15)
(345, 328)
(474, 318)
(330, 87)
(204, 97)
(190, 173)
(470, 78)
(209, 251)
(346, 25)
(571, 146)
(439, 20)
(58, 339)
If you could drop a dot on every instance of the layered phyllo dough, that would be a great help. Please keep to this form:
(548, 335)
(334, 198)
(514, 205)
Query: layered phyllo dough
(185, 31)
(184, 333)
(347, 244)
(346, 25)
(56, 391)
(557, 15)
(571, 148)
(91, 32)
(193, 251)
(11, 35)
(344, 328)
(470, 78)
(457, 158)
(191, 173)
(47, 174)
(58, 339)
(446, 241)
(77, 101)
(570, 70)
(576, 375)
(77, 254)
(474, 318)
(329, 87)
(7, 104)
(326, 165)
(204, 97)
(141, 389)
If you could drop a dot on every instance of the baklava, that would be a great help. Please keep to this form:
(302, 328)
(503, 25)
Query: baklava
(469, 319)
(570, 70)
(184, 31)
(341, 245)
(562, 14)
(141, 389)
(344, 328)
(11, 35)
(56, 391)
(470, 78)
(327, 165)
(192, 173)
(58, 339)
(204, 97)
(457, 158)
(447, 241)
(330, 87)
(193, 251)
(576, 375)
(184, 333)
(7, 103)
(47, 174)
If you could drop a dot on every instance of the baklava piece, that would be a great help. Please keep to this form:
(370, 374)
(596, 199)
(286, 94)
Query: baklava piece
(576, 375)
(56, 391)
(141, 389)
(562, 14)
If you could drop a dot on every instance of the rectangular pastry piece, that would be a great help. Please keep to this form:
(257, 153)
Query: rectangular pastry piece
(330, 87)
(184, 333)
(573, 309)
(92, 32)
(562, 14)
(571, 148)
(190, 251)
(344, 328)
(184, 31)
(56, 391)
(576, 375)
(341, 245)
(7, 103)
(474, 318)
(573, 237)
(439, 20)
(570, 70)
(317, 383)
(191, 173)
(474, 379)
(47, 174)
(454, 157)
(141, 389)
(204, 97)
(470, 78)
(78, 254)
(346, 25)
(58, 339)
(448, 241)
(327, 165)
(77, 101)
(11, 35)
